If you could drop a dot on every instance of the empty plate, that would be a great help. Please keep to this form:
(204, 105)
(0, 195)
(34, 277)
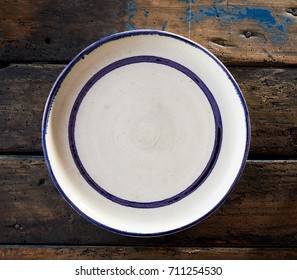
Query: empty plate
(145, 133)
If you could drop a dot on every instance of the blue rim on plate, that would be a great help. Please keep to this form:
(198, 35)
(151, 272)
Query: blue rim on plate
(200, 83)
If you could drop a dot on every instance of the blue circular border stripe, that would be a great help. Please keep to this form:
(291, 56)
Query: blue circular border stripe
(146, 59)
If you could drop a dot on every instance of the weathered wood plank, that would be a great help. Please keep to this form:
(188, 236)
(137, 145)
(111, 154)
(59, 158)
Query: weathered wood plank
(23, 93)
(40, 30)
(143, 253)
(238, 32)
(261, 211)
(270, 94)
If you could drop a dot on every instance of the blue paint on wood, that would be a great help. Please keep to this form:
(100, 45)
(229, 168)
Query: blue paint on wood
(133, 12)
(164, 25)
(276, 28)
(131, 6)
(130, 26)
(187, 1)
(190, 16)
(131, 16)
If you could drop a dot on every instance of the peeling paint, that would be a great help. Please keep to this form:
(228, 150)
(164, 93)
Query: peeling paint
(130, 26)
(131, 16)
(131, 8)
(275, 27)
(164, 25)
(187, 1)
(134, 12)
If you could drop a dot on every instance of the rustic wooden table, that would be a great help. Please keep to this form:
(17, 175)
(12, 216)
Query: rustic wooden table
(255, 39)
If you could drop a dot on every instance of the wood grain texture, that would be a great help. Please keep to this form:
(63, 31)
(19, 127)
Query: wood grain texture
(23, 93)
(238, 32)
(261, 211)
(143, 253)
(257, 221)
(270, 93)
(271, 96)
(39, 30)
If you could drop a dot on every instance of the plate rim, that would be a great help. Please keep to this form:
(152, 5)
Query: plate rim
(55, 89)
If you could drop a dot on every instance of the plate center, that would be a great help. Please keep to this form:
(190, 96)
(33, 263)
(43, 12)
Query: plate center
(145, 133)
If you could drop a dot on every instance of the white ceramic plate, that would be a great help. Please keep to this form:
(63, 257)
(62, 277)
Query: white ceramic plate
(145, 133)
